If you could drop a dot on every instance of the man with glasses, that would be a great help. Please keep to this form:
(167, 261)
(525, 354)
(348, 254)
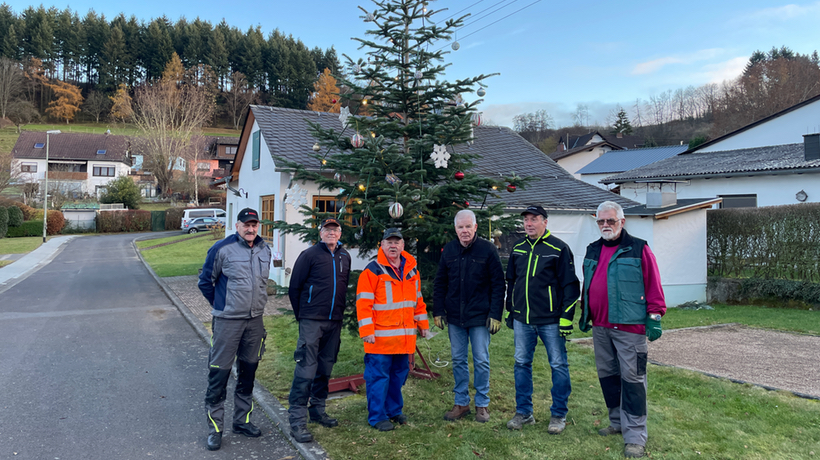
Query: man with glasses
(542, 290)
(622, 303)
(317, 292)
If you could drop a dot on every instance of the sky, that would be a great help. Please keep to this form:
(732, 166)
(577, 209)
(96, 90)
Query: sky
(551, 55)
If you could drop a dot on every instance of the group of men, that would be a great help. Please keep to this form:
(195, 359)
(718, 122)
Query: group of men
(621, 299)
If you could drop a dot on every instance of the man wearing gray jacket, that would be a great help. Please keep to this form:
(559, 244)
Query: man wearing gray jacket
(234, 280)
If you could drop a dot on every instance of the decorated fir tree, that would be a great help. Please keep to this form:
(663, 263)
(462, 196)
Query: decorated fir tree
(400, 160)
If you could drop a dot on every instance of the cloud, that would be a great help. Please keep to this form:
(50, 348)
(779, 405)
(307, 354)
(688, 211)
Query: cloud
(503, 114)
(726, 70)
(690, 58)
(780, 13)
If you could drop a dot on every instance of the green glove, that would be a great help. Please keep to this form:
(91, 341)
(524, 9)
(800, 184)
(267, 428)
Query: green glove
(440, 322)
(586, 326)
(565, 327)
(493, 325)
(653, 328)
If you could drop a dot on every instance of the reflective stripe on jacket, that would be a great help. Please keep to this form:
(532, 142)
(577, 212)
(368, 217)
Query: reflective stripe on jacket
(390, 308)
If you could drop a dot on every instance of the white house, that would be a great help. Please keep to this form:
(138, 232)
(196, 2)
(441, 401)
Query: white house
(78, 163)
(258, 182)
(618, 161)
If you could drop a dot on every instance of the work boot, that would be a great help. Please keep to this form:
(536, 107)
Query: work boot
(482, 415)
(557, 425)
(384, 425)
(324, 420)
(634, 451)
(248, 429)
(456, 413)
(519, 420)
(400, 419)
(301, 434)
(609, 431)
(214, 441)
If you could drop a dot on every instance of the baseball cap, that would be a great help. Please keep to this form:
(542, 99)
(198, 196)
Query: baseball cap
(535, 210)
(392, 232)
(330, 221)
(246, 215)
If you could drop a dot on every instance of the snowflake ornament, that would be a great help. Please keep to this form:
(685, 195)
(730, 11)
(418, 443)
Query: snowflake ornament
(296, 196)
(344, 114)
(440, 156)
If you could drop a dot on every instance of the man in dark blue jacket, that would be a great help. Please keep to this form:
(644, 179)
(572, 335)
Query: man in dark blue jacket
(468, 294)
(317, 291)
(234, 280)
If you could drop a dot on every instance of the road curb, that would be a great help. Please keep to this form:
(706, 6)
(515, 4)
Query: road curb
(8, 283)
(264, 398)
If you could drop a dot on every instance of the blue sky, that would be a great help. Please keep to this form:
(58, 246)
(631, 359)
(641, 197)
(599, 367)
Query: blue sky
(551, 55)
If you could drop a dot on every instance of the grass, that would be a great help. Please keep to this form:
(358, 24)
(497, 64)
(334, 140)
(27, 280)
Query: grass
(184, 258)
(3, 263)
(155, 241)
(20, 245)
(690, 415)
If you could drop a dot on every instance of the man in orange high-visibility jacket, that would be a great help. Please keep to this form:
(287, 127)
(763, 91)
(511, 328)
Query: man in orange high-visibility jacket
(390, 309)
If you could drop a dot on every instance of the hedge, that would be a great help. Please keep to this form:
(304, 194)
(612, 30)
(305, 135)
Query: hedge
(173, 218)
(774, 242)
(123, 221)
(29, 228)
(15, 216)
(55, 222)
(4, 221)
(769, 292)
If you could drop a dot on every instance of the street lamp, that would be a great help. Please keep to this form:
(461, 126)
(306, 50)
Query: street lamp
(45, 185)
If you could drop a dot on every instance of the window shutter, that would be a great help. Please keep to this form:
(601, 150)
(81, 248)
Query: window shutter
(256, 150)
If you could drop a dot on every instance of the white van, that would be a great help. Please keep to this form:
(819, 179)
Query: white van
(191, 214)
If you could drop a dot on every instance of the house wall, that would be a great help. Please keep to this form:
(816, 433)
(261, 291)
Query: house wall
(594, 179)
(785, 129)
(88, 186)
(771, 190)
(578, 160)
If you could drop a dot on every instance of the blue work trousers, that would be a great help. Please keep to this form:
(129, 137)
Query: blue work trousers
(384, 376)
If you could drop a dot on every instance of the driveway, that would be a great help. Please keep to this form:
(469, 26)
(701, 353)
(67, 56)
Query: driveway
(97, 363)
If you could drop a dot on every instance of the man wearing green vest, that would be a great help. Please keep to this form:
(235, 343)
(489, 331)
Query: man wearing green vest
(622, 303)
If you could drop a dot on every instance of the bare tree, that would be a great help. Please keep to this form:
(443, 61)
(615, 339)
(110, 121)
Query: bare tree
(169, 112)
(581, 115)
(21, 113)
(9, 170)
(238, 97)
(11, 83)
(96, 104)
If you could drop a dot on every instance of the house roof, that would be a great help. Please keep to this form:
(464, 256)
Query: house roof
(80, 206)
(623, 142)
(774, 159)
(616, 161)
(581, 148)
(73, 146)
(683, 205)
(758, 122)
(500, 151)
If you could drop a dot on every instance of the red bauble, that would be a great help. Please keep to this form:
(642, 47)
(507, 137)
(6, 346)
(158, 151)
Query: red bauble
(459, 175)
(334, 101)
(466, 204)
(511, 188)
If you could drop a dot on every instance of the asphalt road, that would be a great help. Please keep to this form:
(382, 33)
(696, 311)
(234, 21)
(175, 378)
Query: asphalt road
(97, 363)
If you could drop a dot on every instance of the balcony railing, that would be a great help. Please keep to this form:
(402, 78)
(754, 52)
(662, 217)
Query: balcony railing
(67, 175)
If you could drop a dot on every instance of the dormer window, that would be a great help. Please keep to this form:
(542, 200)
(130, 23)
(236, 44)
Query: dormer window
(100, 152)
(39, 145)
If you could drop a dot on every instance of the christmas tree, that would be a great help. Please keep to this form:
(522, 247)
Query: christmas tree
(401, 159)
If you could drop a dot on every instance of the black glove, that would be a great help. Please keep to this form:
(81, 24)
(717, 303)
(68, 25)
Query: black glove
(509, 320)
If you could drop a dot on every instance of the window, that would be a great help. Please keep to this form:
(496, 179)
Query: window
(28, 167)
(255, 150)
(101, 152)
(39, 145)
(739, 201)
(103, 171)
(205, 166)
(266, 231)
(230, 150)
(331, 205)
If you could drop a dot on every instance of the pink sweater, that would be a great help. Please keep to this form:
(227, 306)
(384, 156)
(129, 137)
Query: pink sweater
(598, 299)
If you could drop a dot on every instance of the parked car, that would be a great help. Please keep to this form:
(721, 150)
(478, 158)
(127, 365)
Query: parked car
(194, 213)
(200, 225)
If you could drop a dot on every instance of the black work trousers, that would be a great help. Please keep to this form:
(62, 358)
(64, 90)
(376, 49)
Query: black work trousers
(316, 352)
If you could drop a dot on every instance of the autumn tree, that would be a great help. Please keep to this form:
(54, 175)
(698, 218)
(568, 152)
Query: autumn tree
(96, 104)
(325, 94)
(168, 113)
(121, 104)
(67, 103)
(238, 97)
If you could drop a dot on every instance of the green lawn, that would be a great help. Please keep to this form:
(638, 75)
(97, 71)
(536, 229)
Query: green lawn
(184, 258)
(20, 245)
(690, 415)
(155, 241)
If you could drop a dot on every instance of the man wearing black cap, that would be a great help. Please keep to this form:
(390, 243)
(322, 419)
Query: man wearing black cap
(234, 280)
(317, 291)
(542, 290)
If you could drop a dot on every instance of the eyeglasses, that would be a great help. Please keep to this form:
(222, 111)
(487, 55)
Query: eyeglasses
(611, 222)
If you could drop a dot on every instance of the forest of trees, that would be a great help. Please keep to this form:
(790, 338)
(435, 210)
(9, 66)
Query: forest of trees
(771, 81)
(99, 55)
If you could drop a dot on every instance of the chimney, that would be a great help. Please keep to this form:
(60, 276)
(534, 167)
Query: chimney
(811, 146)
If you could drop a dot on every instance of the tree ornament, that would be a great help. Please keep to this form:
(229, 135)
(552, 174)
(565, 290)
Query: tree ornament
(370, 17)
(344, 114)
(296, 196)
(481, 92)
(456, 46)
(337, 177)
(362, 188)
(459, 175)
(440, 156)
(466, 204)
(497, 233)
(495, 187)
(333, 101)
(316, 147)
(357, 140)
(396, 210)
(476, 119)
(511, 188)
(392, 179)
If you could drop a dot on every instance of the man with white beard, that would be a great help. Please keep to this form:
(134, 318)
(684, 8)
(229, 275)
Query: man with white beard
(623, 303)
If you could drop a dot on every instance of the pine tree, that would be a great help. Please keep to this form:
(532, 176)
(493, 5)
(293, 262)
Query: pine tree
(622, 124)
(412, 109)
